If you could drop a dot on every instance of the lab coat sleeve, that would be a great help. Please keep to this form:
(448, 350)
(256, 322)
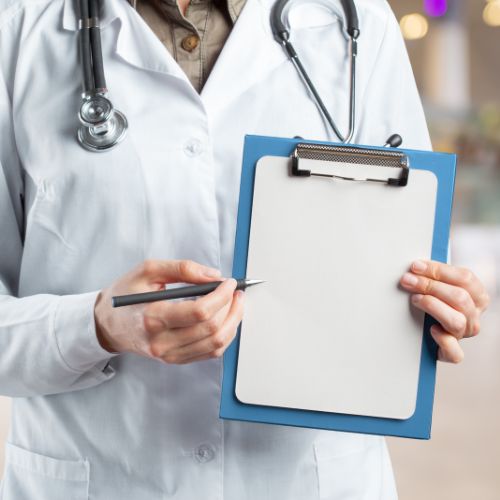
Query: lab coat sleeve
(47, 343)
(390, 102)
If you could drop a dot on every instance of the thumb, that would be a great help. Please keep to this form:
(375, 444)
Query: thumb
(176, 271)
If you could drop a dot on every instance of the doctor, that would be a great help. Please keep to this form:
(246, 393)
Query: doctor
(123, 404)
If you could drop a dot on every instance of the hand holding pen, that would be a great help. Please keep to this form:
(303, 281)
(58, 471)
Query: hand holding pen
(174, 332)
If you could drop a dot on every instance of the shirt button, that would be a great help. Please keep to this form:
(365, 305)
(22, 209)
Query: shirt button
(193, 147)
(190, 42)
(204, 453)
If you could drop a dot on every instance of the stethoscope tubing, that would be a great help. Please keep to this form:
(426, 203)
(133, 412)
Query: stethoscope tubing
(94, 82)
(91, 48)
(85, 49)
(95, 43)
(294, 58)
(282, 35)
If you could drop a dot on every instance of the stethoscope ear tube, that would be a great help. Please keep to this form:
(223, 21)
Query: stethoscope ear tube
(351, 18)
(280, 31)
(85, 49)
(103, 127)
(282, 35)
(95, 44)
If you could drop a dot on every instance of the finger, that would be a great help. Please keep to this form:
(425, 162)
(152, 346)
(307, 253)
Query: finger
(449, 348)
(452, 320)
(179, 337)
(175, 271)
(458, 276)
(456, 297)
(191, 312)
(167, 340)
(205, 357)
(214, 345)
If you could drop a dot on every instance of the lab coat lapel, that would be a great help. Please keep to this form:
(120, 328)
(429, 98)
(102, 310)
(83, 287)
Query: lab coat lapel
(249, 54)
(133, 41)
(139, 46)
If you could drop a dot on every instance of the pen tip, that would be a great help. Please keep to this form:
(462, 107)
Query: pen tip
(254, 282)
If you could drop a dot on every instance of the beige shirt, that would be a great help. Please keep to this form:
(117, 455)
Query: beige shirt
(196, 39)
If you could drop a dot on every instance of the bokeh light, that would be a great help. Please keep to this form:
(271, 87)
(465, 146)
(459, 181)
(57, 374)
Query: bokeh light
(435, 8)
(414, 26)
(491, 13)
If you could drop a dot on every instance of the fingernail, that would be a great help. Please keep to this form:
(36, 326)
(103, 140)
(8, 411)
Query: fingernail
(240, 294)
(416, 298)
(210, 272)
(409, 279)
(419, 265)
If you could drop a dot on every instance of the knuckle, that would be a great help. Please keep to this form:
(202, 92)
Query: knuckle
(218, 353)
(186, 267)
(212, 326)
(458, 324)
(149, 323)
(148, 267)
(426, 301)
(427, 286)
(218, 342)
(156, 350)
(201, 313)
(466, 276)
(434, 270)
(476, 328)
(461, 298)
(170, 358)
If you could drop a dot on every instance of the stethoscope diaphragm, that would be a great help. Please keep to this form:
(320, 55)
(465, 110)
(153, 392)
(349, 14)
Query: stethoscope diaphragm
(103, 127)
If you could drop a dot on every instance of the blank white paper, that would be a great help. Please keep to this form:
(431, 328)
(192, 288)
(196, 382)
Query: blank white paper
(330, 330)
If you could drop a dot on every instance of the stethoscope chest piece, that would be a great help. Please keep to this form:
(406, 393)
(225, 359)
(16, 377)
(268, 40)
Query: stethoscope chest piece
(103, 127)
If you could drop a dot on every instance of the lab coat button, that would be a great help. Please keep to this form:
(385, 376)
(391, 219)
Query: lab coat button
(193, 147)
(190, 42)
(204, 453)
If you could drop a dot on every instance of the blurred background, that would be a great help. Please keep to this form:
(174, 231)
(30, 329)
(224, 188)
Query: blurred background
(454, 46)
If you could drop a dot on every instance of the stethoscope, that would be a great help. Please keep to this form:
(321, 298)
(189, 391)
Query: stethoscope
(103, 127)
(281, 31)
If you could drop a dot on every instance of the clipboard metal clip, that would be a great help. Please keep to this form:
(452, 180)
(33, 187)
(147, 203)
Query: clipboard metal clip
(352, 155)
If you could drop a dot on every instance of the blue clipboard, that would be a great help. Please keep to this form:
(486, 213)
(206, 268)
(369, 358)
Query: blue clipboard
(418, 426)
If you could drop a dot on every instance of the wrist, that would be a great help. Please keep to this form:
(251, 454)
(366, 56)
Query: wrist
(102, 334)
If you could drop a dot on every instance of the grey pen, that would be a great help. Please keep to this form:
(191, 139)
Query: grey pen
(177, 293)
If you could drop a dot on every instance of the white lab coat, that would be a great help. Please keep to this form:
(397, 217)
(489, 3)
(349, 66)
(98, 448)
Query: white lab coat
(88, 425)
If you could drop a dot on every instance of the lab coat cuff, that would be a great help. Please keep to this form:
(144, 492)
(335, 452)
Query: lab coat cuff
(75, 334)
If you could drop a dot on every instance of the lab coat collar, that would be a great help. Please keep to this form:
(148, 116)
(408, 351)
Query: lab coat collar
(249, 55)
(134, 42)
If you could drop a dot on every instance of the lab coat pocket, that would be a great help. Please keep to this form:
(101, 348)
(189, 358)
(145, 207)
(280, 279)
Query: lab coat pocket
(349, 470)
(30, 476)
